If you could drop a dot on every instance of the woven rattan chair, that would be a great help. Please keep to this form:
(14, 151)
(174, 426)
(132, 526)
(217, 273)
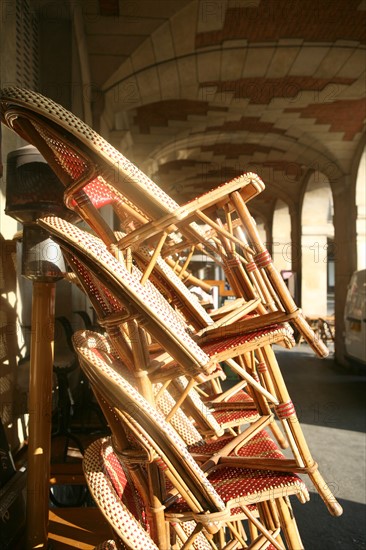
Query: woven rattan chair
(157, 317)
(108, 308)
(252, 444)
(233, 409)
(192, 496)
(94, 253)
(210, 422)
(250, 271)
(118, 499)
(123, 509)
(84, 161)
(80, 158)
(287, 414)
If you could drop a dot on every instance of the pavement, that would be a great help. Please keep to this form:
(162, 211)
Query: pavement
(330, 403)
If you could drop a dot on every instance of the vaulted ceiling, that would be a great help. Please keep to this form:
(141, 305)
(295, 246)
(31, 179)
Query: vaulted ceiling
(198, 91)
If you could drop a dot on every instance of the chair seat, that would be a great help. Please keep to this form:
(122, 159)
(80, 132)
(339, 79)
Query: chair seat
(223, 347)
(232, 417)
(259, 446)
(241, 486)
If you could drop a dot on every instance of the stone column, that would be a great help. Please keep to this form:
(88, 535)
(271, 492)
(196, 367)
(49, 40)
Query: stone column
(314, 271)
(361, 236)
(345, 213)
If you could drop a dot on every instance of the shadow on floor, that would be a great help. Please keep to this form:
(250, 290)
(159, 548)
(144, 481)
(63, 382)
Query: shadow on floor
(321, 531)
(330, 403)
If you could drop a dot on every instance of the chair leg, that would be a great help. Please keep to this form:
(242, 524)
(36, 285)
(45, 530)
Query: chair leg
(269, 517)
(288, 524)
(291, 424)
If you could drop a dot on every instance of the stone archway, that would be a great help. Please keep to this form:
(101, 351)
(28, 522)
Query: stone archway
(317, 273)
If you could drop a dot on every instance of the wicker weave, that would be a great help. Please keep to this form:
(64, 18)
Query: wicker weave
(94, 174)
(139, 299)
(84, 158)
(115, 505)
(234, 486)
(146, 301)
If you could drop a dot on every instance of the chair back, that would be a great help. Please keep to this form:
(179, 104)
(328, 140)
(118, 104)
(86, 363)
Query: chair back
(148, 426)
(116, 496)
(139, 301)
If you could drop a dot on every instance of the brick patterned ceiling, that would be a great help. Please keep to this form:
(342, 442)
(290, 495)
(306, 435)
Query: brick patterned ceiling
(314, 21)
(198, 91)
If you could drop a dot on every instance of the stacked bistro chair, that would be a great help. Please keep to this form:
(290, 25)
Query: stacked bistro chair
(164, 352)
(108, 307)
(81, 158)
(157, 316)
(191, 358)
(214, 495)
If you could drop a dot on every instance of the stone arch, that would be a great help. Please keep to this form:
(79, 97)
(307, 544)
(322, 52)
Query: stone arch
(317, 246)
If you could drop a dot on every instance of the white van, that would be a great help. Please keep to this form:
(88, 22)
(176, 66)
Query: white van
(355, 317)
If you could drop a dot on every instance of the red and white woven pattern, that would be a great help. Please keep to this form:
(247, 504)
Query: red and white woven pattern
(180, 422)
(241, 396)
(241, 486)
(122, 484)
(145, 296)
(114, 509)
(74, 165)
(233, 417)
(117, 474)
(124, 393)
(249, 340)
(259, 446)
(107, 303)
(101, 193)
(121, 166)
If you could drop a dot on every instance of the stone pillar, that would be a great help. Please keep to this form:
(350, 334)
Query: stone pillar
(281, 243)
(295, 251)
(345, 256)
(314, 272)
(361, 236)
